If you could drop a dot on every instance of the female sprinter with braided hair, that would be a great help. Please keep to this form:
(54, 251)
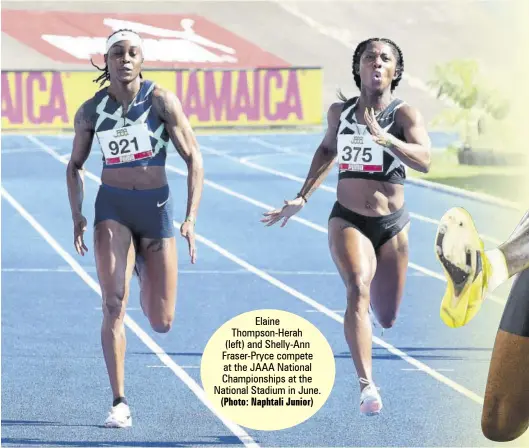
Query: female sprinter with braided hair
(133, 120)
(374, 137)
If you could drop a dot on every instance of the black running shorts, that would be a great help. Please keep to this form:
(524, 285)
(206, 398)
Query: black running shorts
(379, 229)
(515, 317)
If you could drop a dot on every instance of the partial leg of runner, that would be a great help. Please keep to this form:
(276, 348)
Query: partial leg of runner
(471, 271)
(387, 287)
(355, 260)
(506, 407)
(114, 255)
(158, 271)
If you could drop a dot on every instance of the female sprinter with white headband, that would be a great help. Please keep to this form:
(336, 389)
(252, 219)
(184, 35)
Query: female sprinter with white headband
(133, 120)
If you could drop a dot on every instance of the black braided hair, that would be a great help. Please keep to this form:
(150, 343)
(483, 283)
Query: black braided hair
(105, 76)
(358, 54)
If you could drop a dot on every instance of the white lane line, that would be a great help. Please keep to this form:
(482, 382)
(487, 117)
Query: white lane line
(181, 271)
(413, 181)
(21, 150)
(164, 367)
(323, 186)
(279, 148)
(312, 225)
(35, 270)
(257, 203)
(333, 315)
(142, 335)
(317, 311)
(129, 308)
(317, 306)
(196, 272)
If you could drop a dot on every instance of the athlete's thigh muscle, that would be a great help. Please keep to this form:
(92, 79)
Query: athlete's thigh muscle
(159, 273)
(114, 254)
(387, 287)
(352, 252)
(506, 406)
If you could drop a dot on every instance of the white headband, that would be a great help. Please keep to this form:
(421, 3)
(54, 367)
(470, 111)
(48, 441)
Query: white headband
(124, 35)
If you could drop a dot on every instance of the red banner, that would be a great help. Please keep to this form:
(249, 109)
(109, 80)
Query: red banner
(170, 40)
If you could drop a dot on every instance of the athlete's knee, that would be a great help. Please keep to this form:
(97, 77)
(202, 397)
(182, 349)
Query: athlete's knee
(498, 424)
(357, 292)
(502, 430)
(387, 319)
(161, 324)
(387, 323)
(113, 304)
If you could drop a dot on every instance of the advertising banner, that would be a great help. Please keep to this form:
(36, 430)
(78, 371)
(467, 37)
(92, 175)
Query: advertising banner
(211, 98)
(177, 41)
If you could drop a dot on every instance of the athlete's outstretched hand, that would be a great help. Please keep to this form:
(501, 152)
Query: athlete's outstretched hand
(187, 230)
(289, 209)
(379, 135)
(79, 228)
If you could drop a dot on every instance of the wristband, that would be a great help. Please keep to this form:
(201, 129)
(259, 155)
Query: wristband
(387, 142)
(190, 219)
(299, 195)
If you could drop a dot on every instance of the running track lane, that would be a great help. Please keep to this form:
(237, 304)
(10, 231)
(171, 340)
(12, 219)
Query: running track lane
(201, 304)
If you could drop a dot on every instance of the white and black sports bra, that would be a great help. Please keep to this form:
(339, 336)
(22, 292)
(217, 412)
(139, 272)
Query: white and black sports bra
(359, 156)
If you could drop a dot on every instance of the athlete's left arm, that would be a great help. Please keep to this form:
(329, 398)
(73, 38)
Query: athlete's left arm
(183, 138)
(415, 151)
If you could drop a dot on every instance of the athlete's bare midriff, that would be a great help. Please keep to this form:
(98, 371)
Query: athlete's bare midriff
(370, 197)
(137, 177)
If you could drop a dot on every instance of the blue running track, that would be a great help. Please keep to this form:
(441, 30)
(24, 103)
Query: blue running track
(55, 390)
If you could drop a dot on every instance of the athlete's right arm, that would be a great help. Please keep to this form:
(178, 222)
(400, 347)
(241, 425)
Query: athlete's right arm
(82, 144)
(322, 163)
(325, 155)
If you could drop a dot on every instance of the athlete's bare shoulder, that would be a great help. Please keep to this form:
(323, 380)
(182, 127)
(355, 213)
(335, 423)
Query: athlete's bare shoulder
(171, 112)
(333, 114)
(84, 128)
(333, 122)
(85, 117)
(407, 114)
(410, 120)
(166, 104)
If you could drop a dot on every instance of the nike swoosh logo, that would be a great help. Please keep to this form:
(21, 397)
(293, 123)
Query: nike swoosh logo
(160, 205)
(137, 103)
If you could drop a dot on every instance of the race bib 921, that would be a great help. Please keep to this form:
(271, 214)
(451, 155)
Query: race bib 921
(359, 153)
(125, 144)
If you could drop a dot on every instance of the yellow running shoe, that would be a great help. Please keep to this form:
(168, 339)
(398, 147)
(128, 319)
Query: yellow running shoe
(461, 252)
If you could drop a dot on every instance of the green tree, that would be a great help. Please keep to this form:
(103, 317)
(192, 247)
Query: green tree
(476, 105)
